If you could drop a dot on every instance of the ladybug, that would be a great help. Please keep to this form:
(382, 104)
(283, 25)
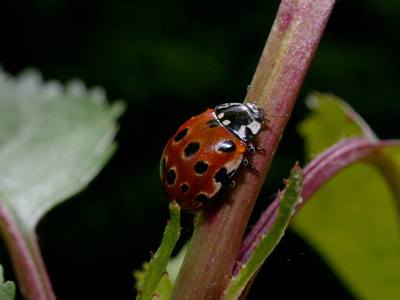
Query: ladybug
(201, 159)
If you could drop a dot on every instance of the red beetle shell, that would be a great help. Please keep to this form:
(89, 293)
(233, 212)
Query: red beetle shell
(198, 160)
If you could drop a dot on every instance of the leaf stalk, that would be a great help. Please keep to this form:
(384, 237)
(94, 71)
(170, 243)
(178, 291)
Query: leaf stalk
(28, 263)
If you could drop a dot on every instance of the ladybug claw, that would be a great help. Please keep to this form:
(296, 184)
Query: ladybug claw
(260, 149)
(247, 164)
(254, 169)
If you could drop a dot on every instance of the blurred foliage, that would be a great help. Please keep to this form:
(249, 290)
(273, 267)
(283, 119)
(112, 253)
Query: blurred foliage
(331, 120)
(54, 140)
(352, 220)
(170, 60)
(7, 289)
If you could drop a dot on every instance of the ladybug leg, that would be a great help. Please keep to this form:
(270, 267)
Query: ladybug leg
(252, 149)
(231, 184)
(228, 181)
(247, 164)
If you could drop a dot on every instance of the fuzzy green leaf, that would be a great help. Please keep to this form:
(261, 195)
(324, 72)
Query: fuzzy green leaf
(268, 242)
(352, 219)
(53, 141)
(7, 289)
(154, 281)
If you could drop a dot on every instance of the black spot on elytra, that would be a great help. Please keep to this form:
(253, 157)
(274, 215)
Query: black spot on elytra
(181, 134)
(184, 188)
(213, 123)
(221, 175)
(191, 149)
(201, 198)
(224, 177)
(226, 146)
(171, 177)
(200, 167)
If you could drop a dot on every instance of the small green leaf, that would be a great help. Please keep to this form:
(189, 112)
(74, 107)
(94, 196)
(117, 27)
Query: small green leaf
(154, 279)
(53, 141)
(268, 242)
(7, 289)
(352, 220)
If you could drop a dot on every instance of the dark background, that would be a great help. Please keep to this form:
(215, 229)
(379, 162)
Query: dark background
(170, 60)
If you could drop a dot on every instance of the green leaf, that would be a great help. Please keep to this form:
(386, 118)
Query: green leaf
(332, 119)
(268, 241)
(7, 289)
(53, 141)
(154, 279)
(352, 220)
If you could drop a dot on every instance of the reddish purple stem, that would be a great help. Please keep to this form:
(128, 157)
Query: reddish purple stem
(316, 173)
(32, 276)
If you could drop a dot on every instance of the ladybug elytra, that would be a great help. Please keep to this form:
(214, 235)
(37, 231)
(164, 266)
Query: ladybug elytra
(201, 159)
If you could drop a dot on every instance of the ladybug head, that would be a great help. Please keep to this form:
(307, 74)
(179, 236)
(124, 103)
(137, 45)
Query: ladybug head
(244, 120)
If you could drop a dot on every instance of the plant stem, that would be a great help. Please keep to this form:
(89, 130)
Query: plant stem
(318, 172)
(213, 249)
(28, 264)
